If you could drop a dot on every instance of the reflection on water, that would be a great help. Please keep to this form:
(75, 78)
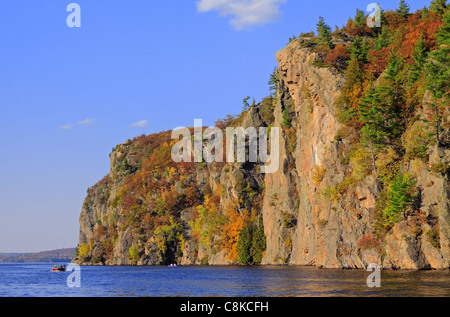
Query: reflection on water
(37, 280)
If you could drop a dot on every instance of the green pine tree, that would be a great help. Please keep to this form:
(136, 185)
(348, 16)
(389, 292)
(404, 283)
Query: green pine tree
(438, 6)
(324, 34)
(258, 242)
(273, 81)
(424, 12)
(399, 198)
(245, 104)
(354, 76)
(360, 49)
(403, 9)
(375, 117)
(286, 118)
(419, 56)
(273, 86)
(360, 19)
(244, 245)
(392, 93)
(438, 69)
(382, 40)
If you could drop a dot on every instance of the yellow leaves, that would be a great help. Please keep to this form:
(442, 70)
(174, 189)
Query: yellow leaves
(231, 232)
(318, 174)
(361, 162)
(355, 94)
(209, 221)
(83, 251)
(172, 172)
(388, 164)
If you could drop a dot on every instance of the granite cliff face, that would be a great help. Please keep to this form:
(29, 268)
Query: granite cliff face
(310, 214)
(336, 230)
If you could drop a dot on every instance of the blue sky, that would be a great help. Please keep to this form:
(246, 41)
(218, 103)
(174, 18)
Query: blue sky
(69, 95)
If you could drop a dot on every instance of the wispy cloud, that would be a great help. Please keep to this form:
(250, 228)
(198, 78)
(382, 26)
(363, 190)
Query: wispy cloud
(140, 124)
(245, 13)
(82, 122)
(66, 127)
(86, 121)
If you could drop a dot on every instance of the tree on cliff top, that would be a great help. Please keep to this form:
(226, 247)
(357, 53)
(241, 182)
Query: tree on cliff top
(403, 9)
(324, 34)
(438, 6)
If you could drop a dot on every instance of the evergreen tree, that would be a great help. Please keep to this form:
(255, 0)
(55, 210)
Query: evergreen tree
(244, 245)
(286, 118)
(273, 86)
(360, 49)
(419, 57)
(245, 104)
(400, 197)
(354, 77)
(376, 119)
(424, 12)
(360, 20)
(440, 59)
(438, 6)
(393, 68)
(382, 40)
(438, 69)
(403, 9)
(273, 81)
(391, 92)
(258, 242)
(324, 34)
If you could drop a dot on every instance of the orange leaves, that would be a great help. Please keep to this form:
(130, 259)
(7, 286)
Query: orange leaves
(99, 232)
(353, 30)
(128, 202)
(338, 57)
(428, 27)
(378, 61)
(368, 242)
(192, 196)
(231, 231)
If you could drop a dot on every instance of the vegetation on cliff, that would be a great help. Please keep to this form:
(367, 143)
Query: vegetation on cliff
(393, 110)
(394, 103)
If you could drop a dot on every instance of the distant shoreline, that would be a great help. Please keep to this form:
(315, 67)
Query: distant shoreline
(59, 255)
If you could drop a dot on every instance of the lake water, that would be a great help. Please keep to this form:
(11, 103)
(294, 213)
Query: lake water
(37, 280)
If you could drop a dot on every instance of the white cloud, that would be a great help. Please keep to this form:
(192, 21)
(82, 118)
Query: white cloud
(245, 13)
(86, 121)
(67, 126)
(140, 124)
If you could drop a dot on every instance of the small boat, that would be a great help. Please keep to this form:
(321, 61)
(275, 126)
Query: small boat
(60, 268)
(173, 265)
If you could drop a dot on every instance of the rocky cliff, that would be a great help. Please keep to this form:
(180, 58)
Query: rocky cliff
(317, 209)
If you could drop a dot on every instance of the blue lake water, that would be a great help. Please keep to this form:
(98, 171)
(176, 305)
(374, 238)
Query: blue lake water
(37, 280)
